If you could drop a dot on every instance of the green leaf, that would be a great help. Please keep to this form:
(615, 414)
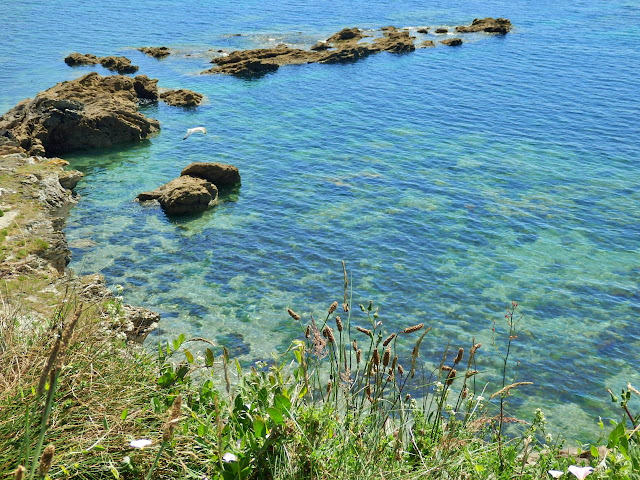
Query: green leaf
(259, 427)
(594, 451)
(238, 367)
(282, 402)
(189, 355)
(276, 415)
(124, 414)
(479, 468)
(99, 448)
(208, 357)
(114, 472)
(615, 435)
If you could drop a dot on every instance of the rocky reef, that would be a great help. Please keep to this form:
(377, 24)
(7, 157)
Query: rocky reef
(181, 98)
(120, 64)
(195, 189)
(90, 112)
(155, 52)
(347, 45)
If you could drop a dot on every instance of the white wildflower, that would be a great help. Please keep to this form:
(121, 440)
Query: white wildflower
(229, 457)
(140, 443)
(556, 473)
(580, 472)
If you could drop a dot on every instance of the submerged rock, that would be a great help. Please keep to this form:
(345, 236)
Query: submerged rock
(156, 52)
(427, 44)
(181, 98)
(423, 30)
(90, 112)
(488, 25)
(441, 30)
(220, 174)
(184, 194)
(452, 42)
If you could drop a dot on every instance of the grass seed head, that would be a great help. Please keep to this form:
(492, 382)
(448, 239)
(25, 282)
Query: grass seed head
(339, 324)
(19, 473)
(375, 357)
(364, 330)
(452, 376)
(332, 307)
(46, 459)
(415, 328)
(387, 340)
(293, 314)
(458, 356)
(386, 357)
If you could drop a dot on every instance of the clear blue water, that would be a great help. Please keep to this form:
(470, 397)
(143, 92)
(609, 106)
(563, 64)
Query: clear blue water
(451, 180)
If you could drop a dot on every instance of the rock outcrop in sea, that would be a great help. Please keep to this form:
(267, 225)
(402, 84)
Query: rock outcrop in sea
(120, 64)
(90, 112)
(156, 52)
(195, 189)
(347, 45)
(181, 98)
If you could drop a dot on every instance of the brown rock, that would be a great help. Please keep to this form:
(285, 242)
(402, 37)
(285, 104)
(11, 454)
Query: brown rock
(181, 98)
(156, 52)
(489, 25)
(185, 194)
(320, 46)
(90, 112)
(118, 64)
(70, 178)
(423, 30)
(427, 44)
(76, 59)
(452, 42)
(441, 30)
(138, 322)
(349, 54)
(146, 88)
(395, 41)
(353, 34)
(220, 174)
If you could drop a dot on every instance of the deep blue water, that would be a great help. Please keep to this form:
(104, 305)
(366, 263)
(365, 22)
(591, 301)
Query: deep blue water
(451, 180)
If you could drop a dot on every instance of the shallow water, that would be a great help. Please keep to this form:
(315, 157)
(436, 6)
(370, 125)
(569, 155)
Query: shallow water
(451, 180)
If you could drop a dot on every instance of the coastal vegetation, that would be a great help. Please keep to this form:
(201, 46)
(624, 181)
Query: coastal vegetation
(346, 400)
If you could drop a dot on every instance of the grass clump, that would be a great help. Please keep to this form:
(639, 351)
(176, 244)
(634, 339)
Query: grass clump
(349, 399)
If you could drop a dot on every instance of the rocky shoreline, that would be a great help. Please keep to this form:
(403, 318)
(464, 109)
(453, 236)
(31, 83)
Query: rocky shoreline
(96, 112)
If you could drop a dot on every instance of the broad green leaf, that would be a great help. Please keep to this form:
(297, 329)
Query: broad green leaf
(259, 427)
(208, 357)
(189, 355)
(124, 414)
(276, 415)
(282, 402)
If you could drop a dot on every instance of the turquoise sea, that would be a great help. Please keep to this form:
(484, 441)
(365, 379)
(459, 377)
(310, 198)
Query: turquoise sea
(451, 180)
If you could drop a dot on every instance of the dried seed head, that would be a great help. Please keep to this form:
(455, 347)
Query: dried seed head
(339, 324)
(451, 377)
(472, 352)
(471, 373)
(46, 459)
(293, 314)
(53, 355)
(355, 346)
(387, 340)
(394, 363)
(446, 368)
(370, 398)
(367, 390)
(364, 330)
(415, 328)
(408, 397)
(415, 352)
(375, 357)
(386, 357)
(465, 392)
(400, 369)
(174, 416)
(345, 307)
(19, 473)
(307, 332)
(358, 355)
(328, 333)
(329, 386)
(332, 307)
(458, 356)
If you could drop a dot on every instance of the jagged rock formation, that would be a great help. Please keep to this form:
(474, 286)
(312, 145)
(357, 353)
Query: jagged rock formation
(90, 112)
(181, 98)
(156, 52)
(343, 46)
(115, 64)
(488, 25)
